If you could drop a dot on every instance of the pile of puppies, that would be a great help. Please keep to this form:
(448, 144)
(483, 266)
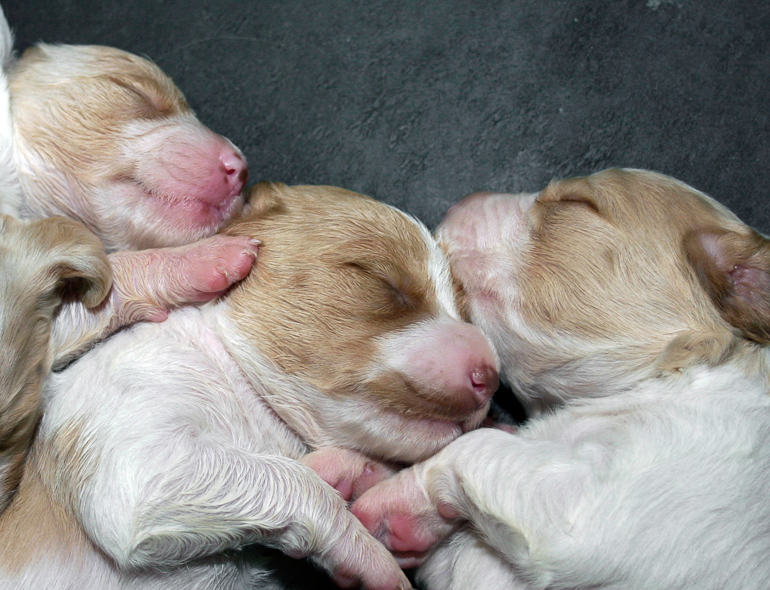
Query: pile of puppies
(628, 311)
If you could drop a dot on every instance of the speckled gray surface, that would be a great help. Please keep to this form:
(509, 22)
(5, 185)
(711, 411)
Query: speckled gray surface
(419, 103)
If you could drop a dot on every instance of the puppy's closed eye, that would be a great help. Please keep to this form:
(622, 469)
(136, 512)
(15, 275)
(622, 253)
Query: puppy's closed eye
(569, 200)
(396, 294)
(579, 201)
(149, 102)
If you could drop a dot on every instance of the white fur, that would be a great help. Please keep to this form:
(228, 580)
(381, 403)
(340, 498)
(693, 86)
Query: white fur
(657, 488)
(10, 189)
(184, 458)
(634, 478)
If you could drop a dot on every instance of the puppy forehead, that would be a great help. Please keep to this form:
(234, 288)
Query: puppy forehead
(347, 227)
(619, 265)
(62, 66)
(641, 199)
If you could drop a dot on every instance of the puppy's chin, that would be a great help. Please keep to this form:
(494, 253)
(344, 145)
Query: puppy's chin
(418, 437)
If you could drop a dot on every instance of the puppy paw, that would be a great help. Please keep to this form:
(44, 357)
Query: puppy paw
(213, 265)
(349, 472)
(358, 560)
(148, 284)
(401, 515)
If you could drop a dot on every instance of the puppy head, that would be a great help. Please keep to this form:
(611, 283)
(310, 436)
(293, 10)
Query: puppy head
(352, 301)
(105, 137)
(596, 282)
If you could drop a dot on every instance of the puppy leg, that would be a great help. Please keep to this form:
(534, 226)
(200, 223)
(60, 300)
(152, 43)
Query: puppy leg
(517, 493)
(186, 498)
(349, 472)
(147, 284)
(38, 260)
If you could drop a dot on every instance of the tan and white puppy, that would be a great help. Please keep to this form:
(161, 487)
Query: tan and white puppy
(40, 261)
(104, 137)
(169, 446)
(637, 311)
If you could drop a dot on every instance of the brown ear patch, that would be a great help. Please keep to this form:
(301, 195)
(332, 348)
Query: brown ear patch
(734, 269)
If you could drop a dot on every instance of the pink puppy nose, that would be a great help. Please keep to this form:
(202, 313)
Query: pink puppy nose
(461, 362)
(484, 383)
(235, 169)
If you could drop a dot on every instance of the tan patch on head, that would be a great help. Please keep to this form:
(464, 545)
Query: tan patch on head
(62, 94)
(71, 104)
(607, 262)
(335, 271)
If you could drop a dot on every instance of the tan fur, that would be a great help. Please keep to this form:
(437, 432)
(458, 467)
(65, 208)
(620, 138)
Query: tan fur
(51, 116)
(40, 262)
(35, 525)
(576, 219)
(321, 277)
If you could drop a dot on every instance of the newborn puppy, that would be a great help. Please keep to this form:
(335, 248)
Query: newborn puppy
(170, 446)
(637, 310)
(39, 261)
(104, 137)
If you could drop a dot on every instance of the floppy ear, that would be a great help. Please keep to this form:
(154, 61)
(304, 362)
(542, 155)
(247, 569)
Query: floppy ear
(73, 260)
(734, 269)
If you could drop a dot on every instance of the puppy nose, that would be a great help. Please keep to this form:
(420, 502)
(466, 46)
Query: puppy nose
(484, 382)
(235, 169)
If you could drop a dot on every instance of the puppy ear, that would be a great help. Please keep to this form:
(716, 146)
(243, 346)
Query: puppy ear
(734, 269)
(74, 263)
(85, 278)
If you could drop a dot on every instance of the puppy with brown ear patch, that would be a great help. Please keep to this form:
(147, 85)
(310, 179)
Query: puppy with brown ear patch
(39, 261)
(104, 137)
(635, 309)
(169, 446)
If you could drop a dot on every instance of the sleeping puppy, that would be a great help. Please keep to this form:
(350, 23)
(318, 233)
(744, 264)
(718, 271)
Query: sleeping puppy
(637, 311)
(39, 262)
(104, 137)
(169, 447)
